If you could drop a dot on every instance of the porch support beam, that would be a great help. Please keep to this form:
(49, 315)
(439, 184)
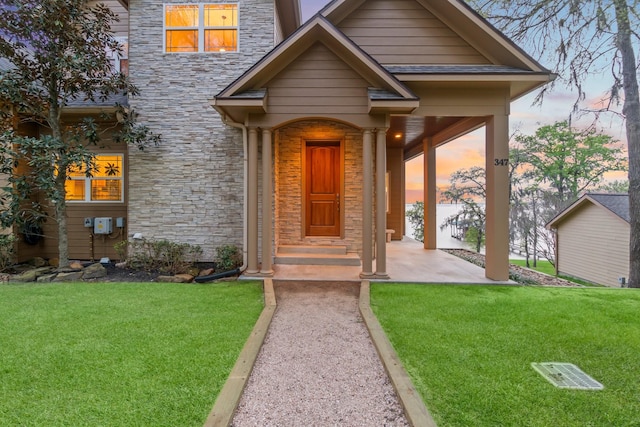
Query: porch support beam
(252, 204)
(497, 208)
(267, 209)
(429, 194)
(367, 204)
(381, 204)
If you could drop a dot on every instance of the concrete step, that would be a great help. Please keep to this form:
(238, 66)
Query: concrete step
(317, 259)
(309, 249)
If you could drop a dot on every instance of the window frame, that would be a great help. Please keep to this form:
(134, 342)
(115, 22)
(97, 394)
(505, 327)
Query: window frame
(89, 179)
(201, 28)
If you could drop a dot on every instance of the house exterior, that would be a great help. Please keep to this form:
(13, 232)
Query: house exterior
(592, 239)
(283, 138)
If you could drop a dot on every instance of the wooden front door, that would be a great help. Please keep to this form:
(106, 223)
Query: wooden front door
(322, 188)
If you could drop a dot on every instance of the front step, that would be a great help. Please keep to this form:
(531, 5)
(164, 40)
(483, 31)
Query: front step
(316, 255)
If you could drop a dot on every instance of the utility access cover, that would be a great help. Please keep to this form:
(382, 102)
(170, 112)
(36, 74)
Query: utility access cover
(566, 375)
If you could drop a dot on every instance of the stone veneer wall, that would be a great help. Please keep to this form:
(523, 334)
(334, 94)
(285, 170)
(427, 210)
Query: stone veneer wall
(190, 188)
(288, 183)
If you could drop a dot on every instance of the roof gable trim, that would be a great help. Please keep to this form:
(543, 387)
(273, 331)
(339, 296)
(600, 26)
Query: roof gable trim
(318, 29)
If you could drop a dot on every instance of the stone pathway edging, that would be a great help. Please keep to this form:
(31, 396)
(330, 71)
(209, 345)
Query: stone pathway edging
(225, 406)
(414, 408)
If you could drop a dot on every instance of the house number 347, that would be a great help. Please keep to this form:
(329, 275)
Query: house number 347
(500, 162)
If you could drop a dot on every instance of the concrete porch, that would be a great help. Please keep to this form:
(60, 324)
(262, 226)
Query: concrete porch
(407, 261)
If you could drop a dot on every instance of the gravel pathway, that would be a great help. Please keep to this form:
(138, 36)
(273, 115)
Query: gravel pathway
(318, 366)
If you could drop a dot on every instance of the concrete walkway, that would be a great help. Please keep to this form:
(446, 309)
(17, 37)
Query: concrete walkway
(223, 411)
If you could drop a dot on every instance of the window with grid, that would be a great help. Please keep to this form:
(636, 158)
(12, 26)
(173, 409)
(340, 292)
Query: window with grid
(211, 27)
(105, 185)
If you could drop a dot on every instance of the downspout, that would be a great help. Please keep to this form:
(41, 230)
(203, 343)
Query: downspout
(245, 185)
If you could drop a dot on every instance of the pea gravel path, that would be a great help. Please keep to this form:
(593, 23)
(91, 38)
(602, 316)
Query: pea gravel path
(318, 366)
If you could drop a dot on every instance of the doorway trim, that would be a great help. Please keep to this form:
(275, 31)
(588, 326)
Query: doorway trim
(305, 143)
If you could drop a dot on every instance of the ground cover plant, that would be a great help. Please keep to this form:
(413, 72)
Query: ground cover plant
(119, 354)
(469, 349)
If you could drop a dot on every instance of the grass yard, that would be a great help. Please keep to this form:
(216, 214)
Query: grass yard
(541, 266)
(469, 349)
(119, 354)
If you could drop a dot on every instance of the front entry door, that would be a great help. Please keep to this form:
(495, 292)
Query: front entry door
(322, 198)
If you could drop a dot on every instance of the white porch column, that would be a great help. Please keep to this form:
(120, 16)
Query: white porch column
(252, 204)
(430, 222)
(497, 208)
(267, 208)
(367, 204)
(381, 204)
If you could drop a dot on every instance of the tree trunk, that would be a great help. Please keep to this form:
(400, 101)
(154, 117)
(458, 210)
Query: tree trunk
(631, 112)
(61, 218)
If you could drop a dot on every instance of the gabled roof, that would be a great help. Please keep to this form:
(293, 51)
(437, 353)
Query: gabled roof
(616, 204)
(466, 22)
(386, 88)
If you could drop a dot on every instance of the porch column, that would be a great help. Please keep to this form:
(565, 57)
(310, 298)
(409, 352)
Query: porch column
(252, 204)
(430, 225)
(381, 204)
(267, 209)
(497, 208)
(367, 204)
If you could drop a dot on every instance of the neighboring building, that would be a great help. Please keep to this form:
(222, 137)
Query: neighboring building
(278, 138)
(592, 239)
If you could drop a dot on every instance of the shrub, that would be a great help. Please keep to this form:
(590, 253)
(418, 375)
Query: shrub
(7, 242)
(228, 257)
(162, 255)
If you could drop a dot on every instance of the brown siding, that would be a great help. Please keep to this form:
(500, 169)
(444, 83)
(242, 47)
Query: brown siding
(120, 28)
(593, 245)
(404, 32)
(82, 245)
(395, 216)
(318, 83)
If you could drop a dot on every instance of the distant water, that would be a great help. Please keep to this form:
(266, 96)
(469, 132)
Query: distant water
(443, 238)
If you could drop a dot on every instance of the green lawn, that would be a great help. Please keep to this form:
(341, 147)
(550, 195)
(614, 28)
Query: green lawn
(119, 354)
(468, 350)
(541, 266)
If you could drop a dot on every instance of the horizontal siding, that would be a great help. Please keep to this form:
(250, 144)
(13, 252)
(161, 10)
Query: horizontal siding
(593, 245)
(82, 245)
(120, 28)
(398, 32)
(318, 83)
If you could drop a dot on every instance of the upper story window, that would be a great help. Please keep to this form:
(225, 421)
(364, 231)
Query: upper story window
(201, 27)
(106, 184)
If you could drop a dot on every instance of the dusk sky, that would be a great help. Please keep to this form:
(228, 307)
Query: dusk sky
(468, 150)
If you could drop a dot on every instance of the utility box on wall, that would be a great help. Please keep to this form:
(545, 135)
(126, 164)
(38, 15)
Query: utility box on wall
(102, 225)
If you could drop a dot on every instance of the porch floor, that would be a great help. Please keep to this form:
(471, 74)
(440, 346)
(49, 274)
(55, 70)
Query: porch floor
(407, 261)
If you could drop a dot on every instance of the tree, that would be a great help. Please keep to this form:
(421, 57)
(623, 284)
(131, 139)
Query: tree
(468, 186)
(416, 217)
(587, 37)
(58, 52)
(568, 160)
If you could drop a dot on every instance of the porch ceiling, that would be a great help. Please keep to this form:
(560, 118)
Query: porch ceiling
(408, 132)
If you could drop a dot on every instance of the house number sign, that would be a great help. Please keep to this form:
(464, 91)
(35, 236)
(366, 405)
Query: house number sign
(500, 162)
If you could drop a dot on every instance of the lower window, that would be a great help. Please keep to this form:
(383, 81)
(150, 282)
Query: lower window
(106, 184)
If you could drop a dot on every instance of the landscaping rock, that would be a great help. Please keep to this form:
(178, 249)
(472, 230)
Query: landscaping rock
(47, 278)
(72, 276)
(38, 262)
(206, 272)
(54, 262)
(76, 265)
(94, 271)
(31, 275)
(178, 278)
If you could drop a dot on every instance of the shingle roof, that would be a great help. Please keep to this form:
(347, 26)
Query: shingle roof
(616, 203)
